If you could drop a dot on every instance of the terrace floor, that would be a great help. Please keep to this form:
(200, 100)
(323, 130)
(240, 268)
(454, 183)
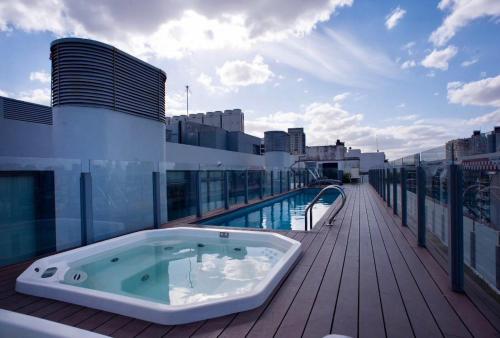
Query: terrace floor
(363, 277)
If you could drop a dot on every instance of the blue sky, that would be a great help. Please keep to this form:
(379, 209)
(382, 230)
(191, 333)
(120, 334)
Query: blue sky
(410, 74)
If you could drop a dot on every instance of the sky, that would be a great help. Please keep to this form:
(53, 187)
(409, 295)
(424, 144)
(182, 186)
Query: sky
(403, 76)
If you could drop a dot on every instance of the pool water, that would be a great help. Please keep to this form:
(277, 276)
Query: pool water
(282, 213)
(178, 272)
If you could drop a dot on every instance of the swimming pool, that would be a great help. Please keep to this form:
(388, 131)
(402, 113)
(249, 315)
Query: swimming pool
(281, 213)
(167, 276)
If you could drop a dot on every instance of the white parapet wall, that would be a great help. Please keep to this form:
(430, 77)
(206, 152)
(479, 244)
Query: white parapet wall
(184, 156)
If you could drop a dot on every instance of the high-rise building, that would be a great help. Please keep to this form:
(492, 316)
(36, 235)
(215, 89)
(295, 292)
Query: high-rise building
(297, 141)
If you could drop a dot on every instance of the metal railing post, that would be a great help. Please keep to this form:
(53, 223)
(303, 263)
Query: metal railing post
(455, 228)
(421, 206)
(246, 186)
(86, 207)
(383, 183)
(272, 183)
(281, 181)
(226, 190)
(156, 200)
(388, 187)
(404, 199)
(261, 184)
(198, 193)
(394, 191)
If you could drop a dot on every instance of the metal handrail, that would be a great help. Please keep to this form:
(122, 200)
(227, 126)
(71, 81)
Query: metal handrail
(318, 196)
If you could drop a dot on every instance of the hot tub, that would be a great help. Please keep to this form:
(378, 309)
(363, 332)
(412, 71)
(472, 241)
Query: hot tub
(167, 276)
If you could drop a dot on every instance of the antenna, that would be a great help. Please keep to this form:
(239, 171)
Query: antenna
(187, 100)
(376, 142)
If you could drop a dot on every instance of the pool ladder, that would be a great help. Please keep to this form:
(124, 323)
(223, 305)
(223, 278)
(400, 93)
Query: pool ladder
(318, 196)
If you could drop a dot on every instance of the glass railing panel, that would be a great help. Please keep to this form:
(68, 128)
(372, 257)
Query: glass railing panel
(122, 198)
(181, 193)
(481, 220)
(254, 184)
(276, 181)
(39, 207)
(212, 190)
(436, 205)
(267, 183)
(397, 181)
(236, 186)
(411, 198)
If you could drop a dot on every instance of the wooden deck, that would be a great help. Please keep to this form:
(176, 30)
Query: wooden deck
(362, 277)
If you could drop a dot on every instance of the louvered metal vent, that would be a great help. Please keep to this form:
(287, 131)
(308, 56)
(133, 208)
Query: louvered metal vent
(92, 74)
(25, 111)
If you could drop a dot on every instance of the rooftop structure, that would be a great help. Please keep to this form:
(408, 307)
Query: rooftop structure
(276, 140)
(297, 141)
(230, 119)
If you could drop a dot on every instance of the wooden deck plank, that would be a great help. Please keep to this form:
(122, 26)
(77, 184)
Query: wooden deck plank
(131, 329)
(397, 323)
(321, 317)
(270, 320)
(469, 316)
(244, 321)
(371, 318)
(297, 316)
(345, 319)
(447, 319)
(362, 277)
(155, 331)
(422, 319)
(113, 325)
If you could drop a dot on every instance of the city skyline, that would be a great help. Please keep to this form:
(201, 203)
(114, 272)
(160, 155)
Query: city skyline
(410, 76)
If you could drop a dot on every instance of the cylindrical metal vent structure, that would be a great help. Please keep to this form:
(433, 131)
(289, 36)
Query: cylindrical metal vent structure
(93, 74)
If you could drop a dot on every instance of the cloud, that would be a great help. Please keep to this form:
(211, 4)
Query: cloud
(439, 59)
(300, 79)
(341, 97)
(468, 63)
(408, 64)
(40, 96)
(325, 122)
(462, 12)
(207, 82)
(484, 92)
(393, 18)
(41, 76)
(335, 56)
(409, 117)
(409, 47)
(243, 73)
(170, 29)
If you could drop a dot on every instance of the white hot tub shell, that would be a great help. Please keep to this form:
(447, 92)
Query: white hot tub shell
(48, 277)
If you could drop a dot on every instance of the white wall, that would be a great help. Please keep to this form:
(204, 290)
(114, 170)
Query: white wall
(103, 134)
(184, 156)
(371, 160)
(27, 139)
(278, 159)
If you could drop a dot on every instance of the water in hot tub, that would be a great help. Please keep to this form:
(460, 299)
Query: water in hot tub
(178, 272)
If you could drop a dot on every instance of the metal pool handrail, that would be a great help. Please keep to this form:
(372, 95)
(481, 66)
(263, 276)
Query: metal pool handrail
(318, 196)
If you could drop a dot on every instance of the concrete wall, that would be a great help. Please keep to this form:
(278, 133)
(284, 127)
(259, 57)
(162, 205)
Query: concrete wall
(103, 134)
(25, 139)
(277, 159)
(183, 156)
(371, 160)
